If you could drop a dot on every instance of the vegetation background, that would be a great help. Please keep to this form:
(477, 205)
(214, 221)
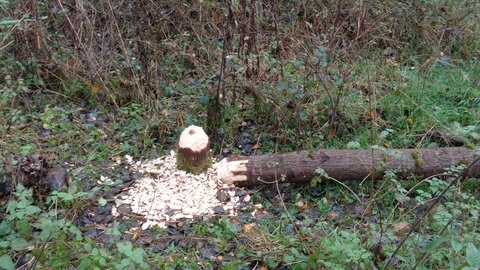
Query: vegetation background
(85, 82)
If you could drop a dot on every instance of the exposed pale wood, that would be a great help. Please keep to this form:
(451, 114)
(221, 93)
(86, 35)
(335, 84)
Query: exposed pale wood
(344, 164)
(193, 149)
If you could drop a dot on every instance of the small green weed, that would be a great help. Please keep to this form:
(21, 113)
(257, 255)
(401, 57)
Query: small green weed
(50, 237)
(289, 76)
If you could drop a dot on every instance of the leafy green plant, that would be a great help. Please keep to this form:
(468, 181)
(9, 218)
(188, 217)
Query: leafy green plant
(341, 250)
(133, 257)
(26, 225)
(438, 232)
(289, 76)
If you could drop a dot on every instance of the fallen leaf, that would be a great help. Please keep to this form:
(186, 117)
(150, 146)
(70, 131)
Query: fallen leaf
(333, 215)
(373, 116)
(148, 240)
(234, 221)
(259, 213)
(256, 146)
(401, 228)
(95, 89)
(301, 205)
(367, 212)
(332, 132)
(101, 226)
(247, 228)
(409, 121)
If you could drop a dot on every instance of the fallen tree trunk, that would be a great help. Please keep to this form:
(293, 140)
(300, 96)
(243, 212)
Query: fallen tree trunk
(299, 167)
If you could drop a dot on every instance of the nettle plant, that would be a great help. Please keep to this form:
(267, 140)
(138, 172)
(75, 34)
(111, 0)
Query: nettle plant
(448, 236)
(43, 234)
(27, 228)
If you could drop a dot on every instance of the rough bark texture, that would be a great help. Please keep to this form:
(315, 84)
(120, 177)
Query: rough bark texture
(193, 150)
(344, 164)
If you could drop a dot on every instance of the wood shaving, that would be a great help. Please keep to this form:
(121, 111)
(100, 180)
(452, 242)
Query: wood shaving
(166, 195)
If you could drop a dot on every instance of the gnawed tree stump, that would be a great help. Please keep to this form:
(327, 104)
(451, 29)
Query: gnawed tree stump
(193, 150)
(299, 167)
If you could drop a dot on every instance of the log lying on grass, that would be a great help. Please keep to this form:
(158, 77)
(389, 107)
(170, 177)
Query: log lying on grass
(299, 167)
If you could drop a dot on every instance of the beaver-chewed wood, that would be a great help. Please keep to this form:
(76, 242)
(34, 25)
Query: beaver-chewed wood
(343, 165)
(193, 150)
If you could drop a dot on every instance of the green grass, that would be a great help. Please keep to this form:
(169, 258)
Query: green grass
(318, 227)
(408, 72)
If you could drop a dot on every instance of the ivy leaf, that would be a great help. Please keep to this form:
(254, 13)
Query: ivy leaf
(303, 116)
(6, 262)
(31, 210)
(137, 255)
(297, 63)
(65, 196)
(19, 244)
(8, 22)
(125, 248)
(320, 51)
(5, 229)
(85, 263)
(434, 244)
(353, 145)
(457, 246)
(321, 172)
(289, 259)
(204, 100)
(124, 264)
(472, 256)
(74, 230)
(282, 85)
(102, 201)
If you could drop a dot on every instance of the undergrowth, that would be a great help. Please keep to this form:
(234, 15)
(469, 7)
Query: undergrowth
(84, 84)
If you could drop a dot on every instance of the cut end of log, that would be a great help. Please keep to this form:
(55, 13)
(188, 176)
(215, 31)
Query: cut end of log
(193, 150)
(230, 172)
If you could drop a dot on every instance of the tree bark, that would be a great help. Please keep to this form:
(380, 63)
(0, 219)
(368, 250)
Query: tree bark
(193, 150)
(299, 167)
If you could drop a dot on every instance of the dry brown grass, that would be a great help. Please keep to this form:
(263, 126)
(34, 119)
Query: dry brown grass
(122, 51)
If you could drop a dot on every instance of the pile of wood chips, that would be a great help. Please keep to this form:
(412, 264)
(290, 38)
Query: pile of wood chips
(165, 195)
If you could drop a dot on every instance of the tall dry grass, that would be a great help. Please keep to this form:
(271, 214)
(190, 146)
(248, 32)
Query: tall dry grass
(126, 50)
